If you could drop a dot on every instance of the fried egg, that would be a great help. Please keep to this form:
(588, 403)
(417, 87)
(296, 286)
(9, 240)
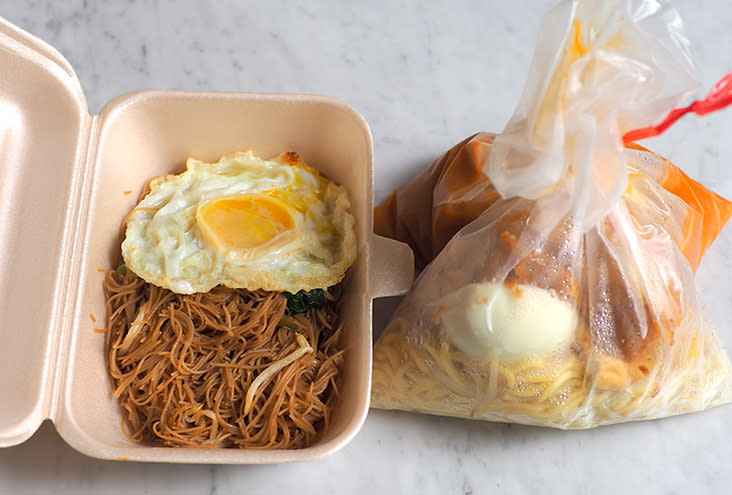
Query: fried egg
(242, 222)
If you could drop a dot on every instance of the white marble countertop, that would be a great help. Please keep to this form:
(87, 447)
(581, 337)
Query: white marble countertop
(424, 75)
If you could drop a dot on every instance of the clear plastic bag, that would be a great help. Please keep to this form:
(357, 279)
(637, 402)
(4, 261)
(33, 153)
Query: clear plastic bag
(559, 289)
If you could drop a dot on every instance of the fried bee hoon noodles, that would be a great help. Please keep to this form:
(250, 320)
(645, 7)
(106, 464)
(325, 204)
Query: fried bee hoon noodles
(226, 368)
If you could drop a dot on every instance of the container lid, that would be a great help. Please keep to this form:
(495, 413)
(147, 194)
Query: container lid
(43, 116)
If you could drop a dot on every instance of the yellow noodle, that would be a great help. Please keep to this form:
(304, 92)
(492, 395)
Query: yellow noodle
(554, 391)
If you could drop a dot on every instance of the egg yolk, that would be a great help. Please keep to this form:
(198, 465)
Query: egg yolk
(243, 222)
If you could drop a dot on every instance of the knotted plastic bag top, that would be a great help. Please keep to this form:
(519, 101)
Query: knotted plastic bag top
(601, 68)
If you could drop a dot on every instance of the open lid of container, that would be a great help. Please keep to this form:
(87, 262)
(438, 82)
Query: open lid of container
(43, 116)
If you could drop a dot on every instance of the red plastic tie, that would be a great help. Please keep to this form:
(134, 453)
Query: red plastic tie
(719, 97)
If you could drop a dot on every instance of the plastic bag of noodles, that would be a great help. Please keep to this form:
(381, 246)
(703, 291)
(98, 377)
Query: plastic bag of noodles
(558, 288)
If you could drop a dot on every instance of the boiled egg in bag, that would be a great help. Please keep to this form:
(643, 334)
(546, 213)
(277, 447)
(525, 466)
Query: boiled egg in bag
(511, 322)
(242, 222)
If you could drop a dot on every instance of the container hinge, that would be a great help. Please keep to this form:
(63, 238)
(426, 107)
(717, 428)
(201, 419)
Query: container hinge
(71, 253)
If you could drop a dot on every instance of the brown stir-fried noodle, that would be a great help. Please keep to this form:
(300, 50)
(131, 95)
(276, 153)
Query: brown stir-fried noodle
(182, 365)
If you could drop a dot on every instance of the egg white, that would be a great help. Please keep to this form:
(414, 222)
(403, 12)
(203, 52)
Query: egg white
(511, 322)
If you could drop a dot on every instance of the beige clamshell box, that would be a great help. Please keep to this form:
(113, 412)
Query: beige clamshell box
(67, 180)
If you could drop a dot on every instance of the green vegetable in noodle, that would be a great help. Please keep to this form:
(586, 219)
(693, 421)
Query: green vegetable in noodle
(303, 300)
(122, 269)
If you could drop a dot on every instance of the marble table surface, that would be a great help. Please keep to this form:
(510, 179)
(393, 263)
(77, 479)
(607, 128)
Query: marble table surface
(424, 75)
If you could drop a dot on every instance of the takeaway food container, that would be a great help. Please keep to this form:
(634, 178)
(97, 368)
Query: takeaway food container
(67, 179)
